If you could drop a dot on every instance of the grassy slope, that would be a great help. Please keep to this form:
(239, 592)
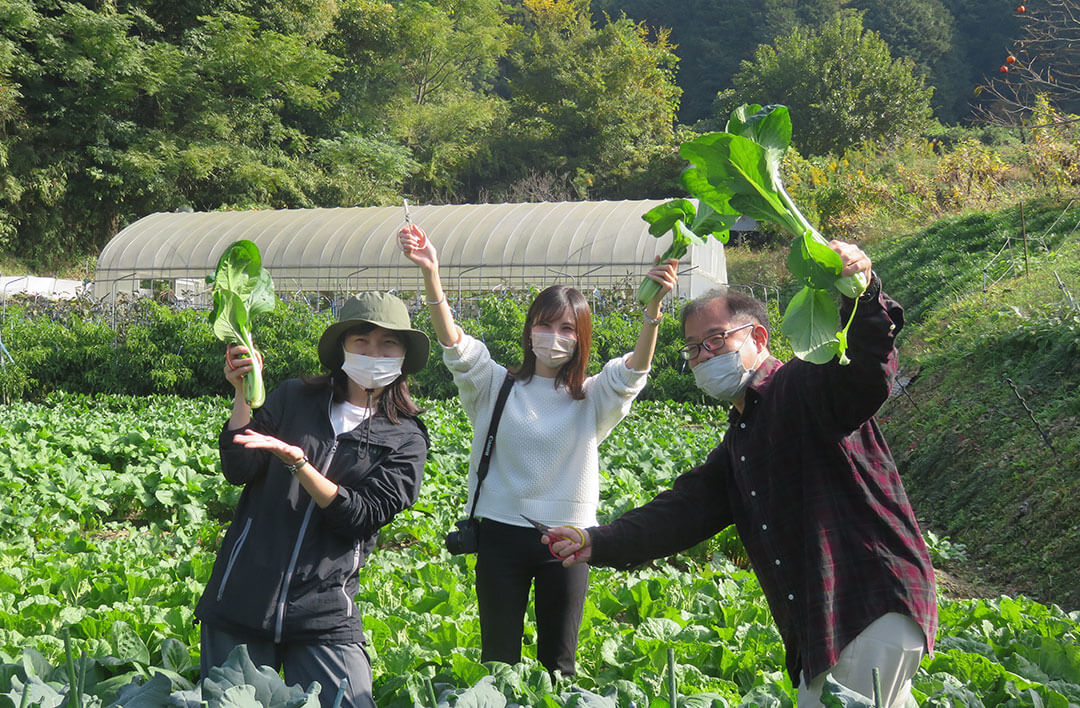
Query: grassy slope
(975, 464)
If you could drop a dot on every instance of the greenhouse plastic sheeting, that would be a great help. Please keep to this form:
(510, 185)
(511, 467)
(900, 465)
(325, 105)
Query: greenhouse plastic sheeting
(46, 287)
(481, 247)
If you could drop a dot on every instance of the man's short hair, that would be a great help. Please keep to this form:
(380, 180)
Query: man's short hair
(743, 308)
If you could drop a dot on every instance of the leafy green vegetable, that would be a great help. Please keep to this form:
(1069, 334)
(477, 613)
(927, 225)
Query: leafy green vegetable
(738, 172)
(242, 289)
(674, 216)
(125, 577)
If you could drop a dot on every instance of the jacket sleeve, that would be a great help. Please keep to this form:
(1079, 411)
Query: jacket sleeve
(694, 509)
(240, 465)
(851, 394)
(392, 486)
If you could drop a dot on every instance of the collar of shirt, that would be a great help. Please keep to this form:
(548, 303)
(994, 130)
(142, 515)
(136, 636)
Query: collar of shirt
(755, 389)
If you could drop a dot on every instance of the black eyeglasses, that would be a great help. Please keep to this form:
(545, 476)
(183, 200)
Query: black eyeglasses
(712, 343)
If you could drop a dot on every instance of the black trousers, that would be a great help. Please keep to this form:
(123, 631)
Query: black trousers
(509, 560)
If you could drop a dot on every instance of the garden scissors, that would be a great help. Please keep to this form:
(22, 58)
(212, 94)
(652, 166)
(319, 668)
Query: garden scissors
(408, 225)
(545, 529)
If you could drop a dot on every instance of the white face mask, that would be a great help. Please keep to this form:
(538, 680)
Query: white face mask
(552, 350)
(724, 376)
(372, 371)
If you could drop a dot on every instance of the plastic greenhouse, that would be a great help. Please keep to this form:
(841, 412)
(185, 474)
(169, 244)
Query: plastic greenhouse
(482, 247)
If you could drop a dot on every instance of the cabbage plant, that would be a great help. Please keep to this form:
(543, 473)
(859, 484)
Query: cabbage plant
(242, 289)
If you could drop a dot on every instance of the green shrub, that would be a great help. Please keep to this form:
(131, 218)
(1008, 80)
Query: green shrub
(148, 348)
(948, 136)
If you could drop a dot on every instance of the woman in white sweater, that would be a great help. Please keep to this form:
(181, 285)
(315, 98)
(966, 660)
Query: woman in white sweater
(544, 464)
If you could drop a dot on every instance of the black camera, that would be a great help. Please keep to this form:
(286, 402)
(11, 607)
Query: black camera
(466, 539)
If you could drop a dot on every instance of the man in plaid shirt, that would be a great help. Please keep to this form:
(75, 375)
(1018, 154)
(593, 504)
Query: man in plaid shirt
(806, 477)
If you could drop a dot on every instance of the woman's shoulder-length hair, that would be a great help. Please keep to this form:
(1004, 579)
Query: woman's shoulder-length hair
(550, 304)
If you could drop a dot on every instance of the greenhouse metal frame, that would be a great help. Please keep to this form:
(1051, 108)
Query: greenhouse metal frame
(597, 245)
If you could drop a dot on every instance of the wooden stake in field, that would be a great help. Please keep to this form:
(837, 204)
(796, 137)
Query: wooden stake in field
(1023, 233)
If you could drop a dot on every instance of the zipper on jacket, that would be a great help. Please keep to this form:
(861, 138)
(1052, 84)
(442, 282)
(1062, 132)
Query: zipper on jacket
(287, 581)
(279, 622)
(352, 572)
(233, 556)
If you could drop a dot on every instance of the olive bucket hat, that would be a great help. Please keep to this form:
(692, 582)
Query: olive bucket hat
(380, 309)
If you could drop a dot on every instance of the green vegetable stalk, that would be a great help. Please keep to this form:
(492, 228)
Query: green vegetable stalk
(853, 285)
(649, 288)
(685, 221)
(242, 289)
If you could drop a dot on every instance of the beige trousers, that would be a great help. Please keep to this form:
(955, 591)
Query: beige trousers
(893, 643)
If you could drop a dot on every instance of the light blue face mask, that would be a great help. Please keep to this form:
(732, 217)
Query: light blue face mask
(724, 376)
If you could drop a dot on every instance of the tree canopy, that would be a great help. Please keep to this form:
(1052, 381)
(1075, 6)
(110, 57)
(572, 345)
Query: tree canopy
(714, 37)
(841, 83)
(113, 109)
(953, 43)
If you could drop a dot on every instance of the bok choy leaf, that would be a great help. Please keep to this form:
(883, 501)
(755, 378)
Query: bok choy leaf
(738, 172)
(242, 288)
(686, 222)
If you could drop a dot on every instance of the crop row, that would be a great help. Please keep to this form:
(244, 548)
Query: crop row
(121, 506)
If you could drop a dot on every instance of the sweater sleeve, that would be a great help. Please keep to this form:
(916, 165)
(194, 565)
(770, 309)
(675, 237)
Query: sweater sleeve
(476, 375)
(611, 393)
(694, 509)
(390, 488)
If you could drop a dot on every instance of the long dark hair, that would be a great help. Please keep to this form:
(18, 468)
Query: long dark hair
(548, 305)
(395, 402)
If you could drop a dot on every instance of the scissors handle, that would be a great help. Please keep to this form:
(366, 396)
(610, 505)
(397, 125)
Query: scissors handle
(546, 530)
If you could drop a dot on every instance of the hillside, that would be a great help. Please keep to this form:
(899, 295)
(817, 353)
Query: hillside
(987, 436)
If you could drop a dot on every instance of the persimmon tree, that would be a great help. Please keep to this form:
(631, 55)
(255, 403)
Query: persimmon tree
(1044, 62)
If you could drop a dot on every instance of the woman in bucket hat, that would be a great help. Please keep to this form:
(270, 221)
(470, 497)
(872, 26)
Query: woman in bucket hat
(324, 463)
(544, 465)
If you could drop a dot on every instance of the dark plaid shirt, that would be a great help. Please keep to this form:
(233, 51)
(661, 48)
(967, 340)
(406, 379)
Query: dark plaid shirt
(808, 481)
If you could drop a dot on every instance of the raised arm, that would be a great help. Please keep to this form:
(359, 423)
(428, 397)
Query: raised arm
(419, 249)
(666, 275)
(238, 362)
(849, 395)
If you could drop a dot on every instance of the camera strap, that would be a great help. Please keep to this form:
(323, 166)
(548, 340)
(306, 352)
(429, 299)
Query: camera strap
(489, 441)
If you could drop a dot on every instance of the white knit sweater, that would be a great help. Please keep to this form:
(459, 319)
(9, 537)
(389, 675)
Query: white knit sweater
(545, 463)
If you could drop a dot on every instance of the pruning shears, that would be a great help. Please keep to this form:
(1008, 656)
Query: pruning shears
(545, 529)
(408, 225)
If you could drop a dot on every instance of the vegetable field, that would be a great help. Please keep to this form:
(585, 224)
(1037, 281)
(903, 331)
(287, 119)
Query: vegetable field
(113, 507)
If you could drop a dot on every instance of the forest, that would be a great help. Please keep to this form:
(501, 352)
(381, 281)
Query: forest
(114, 109)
